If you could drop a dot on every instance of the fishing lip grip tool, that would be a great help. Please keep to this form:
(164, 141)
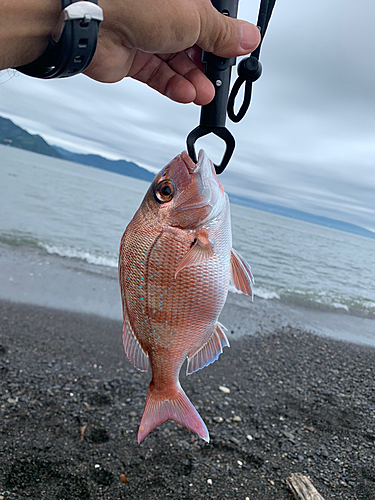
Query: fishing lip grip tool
(218, 71)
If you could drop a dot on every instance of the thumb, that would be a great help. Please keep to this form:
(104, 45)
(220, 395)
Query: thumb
(225, 36)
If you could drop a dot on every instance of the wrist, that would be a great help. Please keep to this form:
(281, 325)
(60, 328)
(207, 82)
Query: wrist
(25, 29)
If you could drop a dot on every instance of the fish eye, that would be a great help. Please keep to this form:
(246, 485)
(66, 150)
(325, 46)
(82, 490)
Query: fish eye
(164, 191)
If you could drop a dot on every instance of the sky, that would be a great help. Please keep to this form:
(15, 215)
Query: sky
(307, 141)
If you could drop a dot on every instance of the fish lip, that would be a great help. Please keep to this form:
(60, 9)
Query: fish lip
(211, 193)
(206, 167)
(194, 168)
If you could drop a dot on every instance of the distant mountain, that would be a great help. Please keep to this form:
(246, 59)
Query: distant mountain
(12, 135)
(300, 215)
(17, 137)
(123, 167)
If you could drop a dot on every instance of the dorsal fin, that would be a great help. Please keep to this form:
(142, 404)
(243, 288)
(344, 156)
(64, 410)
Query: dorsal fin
(209, 352)
(134, 351)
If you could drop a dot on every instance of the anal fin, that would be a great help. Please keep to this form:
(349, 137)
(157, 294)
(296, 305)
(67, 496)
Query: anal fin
(241, 273)
(133, 349)
(209, 352)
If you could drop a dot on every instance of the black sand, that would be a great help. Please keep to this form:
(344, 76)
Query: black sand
(70, 405)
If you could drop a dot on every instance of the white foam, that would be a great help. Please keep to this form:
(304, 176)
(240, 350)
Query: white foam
(337, 305)
(258, 292)
(266, 294)
(74, 253)
(368, 304)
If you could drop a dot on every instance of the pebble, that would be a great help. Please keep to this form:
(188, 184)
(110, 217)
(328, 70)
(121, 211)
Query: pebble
(323, 451)
(224, 389)
(123, 478)
(290, 436)
(237, 418)
(234, 440)
(132, 414)
(351, 451)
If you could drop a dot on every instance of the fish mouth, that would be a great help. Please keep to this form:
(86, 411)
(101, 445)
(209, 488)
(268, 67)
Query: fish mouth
(203, 160)
(211, 194)
(192, 167)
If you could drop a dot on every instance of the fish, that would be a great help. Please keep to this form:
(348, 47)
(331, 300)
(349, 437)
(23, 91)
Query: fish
(175, 265)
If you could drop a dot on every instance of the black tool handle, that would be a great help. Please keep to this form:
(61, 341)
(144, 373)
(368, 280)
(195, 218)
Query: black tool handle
(213, 115)
(218, 71)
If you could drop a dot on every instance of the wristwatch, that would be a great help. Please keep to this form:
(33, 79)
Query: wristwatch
(75, 48)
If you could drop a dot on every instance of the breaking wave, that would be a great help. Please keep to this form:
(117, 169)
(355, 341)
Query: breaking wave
(321, 300)
(73, 253)
(326, 300)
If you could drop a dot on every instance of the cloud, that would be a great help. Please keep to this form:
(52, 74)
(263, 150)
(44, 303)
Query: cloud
(307, 141)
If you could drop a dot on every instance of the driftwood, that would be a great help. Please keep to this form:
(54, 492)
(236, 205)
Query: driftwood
(302, 488)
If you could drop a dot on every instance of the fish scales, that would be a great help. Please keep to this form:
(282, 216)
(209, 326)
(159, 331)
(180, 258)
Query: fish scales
(162, 311)
(174, 276)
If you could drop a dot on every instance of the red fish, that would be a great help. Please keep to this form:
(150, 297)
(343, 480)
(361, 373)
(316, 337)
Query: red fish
(176, 262)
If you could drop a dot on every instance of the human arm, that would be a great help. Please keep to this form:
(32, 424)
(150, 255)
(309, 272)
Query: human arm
(157, 42)
(25, 29)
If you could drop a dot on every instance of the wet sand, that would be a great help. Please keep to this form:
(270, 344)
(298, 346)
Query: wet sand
(70, 405)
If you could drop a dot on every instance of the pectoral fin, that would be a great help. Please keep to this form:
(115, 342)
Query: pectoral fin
(209, 352)
(241, 273)
(200, 251)
(133, 350)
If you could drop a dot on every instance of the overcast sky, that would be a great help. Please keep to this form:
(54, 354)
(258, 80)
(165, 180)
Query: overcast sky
(307, 142)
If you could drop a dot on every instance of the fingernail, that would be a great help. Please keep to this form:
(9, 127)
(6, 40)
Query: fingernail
(250, 36)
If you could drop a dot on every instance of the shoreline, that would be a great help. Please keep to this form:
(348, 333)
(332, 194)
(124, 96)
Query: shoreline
(71, 405)
(31, 276)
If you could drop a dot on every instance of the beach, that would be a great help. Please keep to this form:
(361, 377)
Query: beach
(71, 404)
(299, 391)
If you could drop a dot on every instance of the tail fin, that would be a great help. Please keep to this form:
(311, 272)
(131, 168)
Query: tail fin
(159, 409)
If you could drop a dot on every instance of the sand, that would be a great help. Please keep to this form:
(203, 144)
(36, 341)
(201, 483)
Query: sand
(70, 405)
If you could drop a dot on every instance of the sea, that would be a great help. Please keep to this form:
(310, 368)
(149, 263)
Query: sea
(70, 217)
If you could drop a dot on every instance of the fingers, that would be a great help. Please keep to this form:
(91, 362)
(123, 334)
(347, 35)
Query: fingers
(182, 28)
(176, 77)
(156, 73)
(225, 36)
(188, 64)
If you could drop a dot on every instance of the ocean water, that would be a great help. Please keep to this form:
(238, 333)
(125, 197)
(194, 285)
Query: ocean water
(79, 213)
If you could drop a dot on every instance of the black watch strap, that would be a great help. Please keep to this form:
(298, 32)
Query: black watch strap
(74, 50)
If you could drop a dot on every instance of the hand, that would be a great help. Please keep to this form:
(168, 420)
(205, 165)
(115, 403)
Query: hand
(159, 42)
